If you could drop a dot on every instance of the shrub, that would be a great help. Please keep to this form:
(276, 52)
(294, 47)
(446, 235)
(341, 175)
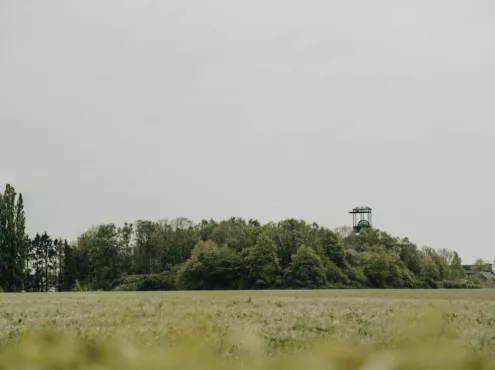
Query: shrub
(430, 283)
(210, 268)
(306, 270)
(79, 288)
(461, 284)
(261, 264)
(335, 276)
(154, 282)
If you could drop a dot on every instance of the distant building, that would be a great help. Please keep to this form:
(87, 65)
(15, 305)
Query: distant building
(486, 279)
(487, 275)
(483, 274)
(469, 268)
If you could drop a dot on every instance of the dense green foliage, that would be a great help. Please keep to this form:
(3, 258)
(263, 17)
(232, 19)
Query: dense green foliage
(230, 254)
(13, 240)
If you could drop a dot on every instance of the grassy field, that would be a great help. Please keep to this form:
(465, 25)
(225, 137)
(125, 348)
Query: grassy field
(351, 329)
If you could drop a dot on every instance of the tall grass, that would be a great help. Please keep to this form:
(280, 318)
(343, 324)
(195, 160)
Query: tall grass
(249, 330)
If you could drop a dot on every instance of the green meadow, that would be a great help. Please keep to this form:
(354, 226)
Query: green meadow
(298, 329)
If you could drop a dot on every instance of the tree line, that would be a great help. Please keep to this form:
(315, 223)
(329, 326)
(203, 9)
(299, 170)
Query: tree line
(228, 254)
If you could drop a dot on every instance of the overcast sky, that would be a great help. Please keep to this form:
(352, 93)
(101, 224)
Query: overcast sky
(111, 111)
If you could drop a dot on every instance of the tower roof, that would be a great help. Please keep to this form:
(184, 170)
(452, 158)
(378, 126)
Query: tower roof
(361, 210)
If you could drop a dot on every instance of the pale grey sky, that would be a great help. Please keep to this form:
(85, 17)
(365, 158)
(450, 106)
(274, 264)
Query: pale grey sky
(112, 111)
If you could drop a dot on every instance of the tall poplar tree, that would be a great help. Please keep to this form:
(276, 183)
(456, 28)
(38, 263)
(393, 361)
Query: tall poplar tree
(22, 243)
(3, 267)
(12, 240)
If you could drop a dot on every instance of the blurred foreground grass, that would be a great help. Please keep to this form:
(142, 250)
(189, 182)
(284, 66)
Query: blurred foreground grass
(249, 330)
